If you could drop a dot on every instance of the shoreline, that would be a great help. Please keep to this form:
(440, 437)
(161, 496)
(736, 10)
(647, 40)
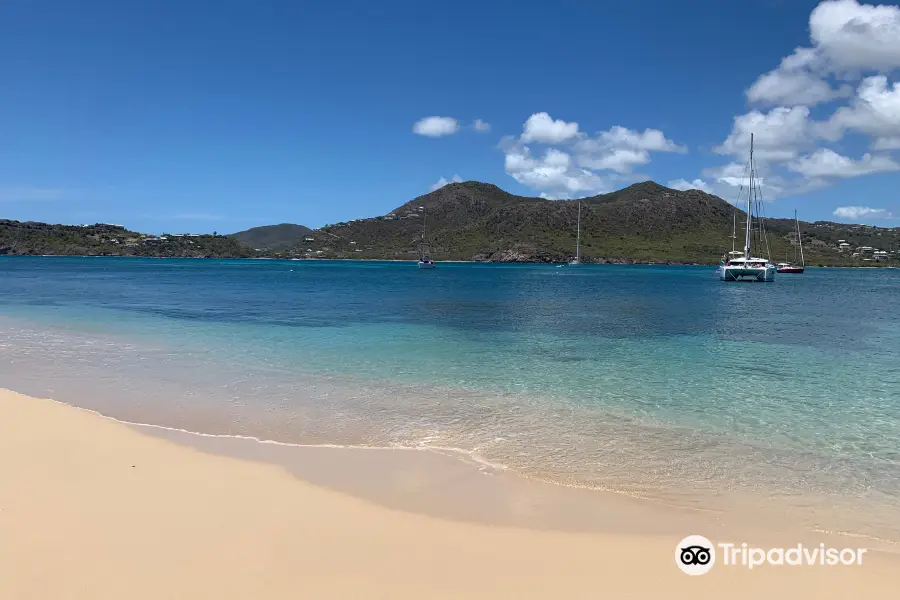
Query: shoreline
(611, 262)
(299, 425)
(463, 464)
(93, 508)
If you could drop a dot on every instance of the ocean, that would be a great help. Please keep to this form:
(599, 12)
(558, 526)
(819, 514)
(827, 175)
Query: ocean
(657, 382)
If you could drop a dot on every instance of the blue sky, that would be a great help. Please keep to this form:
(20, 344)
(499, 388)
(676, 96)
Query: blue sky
(200, 116)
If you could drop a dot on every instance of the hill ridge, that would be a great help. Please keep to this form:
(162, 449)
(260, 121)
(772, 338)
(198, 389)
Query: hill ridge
(644, 222)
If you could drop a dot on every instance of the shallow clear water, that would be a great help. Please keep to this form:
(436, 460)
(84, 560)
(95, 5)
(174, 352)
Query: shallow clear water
(656, 381)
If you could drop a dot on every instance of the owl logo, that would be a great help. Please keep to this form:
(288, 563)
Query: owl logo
(695, 555)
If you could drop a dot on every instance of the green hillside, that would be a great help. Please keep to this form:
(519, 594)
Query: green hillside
(273, 237)
(30, 238)
(645, 222)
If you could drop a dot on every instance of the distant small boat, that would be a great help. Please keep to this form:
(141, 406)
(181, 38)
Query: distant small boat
(577, 260)
(788, 267)
(424, 261)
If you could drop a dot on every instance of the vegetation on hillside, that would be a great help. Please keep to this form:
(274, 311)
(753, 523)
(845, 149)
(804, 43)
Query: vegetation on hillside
(645, 222)
(29, 238)
(273, 237)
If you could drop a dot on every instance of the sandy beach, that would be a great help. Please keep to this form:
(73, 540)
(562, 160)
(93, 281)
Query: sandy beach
(92, 508)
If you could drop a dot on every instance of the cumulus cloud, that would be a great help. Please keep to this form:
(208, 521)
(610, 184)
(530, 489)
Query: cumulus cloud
(849, 42)
(481, 126)
(552, 173)
(827, 163)
(621, 149)
(887, 143)
(443, 181)
(436, 126)
(875, 112)
(778, 135)
(849, 36)
(782, 86)
(683, 184)
(846, 38)
(861, 212)
(572, 168)
(540, 127)
(796, 81)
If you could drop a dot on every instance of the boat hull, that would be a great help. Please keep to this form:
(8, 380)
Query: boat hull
(740, 273)
(790, 270)
(426, 265)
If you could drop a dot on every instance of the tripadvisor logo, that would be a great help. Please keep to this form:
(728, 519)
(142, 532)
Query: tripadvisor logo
(696, 555)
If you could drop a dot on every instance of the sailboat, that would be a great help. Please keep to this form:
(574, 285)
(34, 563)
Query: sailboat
(577, 260)
(747, 267)
(734, 252)
(788, 267)
(425, 261)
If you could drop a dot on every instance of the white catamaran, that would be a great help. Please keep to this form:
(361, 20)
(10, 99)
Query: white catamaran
(425, 261)
(743, 266)
(577, 260)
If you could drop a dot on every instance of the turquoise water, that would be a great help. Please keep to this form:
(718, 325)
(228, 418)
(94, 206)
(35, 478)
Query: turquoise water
(660, 382)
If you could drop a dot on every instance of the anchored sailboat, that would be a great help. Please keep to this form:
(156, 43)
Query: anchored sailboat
(746, 267)
(793, 267)
(577, 260)
(425, 261)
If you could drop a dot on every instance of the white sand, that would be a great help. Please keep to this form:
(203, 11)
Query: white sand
(93, 509)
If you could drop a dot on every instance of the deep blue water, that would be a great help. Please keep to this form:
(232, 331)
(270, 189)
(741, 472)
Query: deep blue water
(636, 378)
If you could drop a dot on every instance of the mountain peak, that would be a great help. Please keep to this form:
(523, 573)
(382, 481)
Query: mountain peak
(647, 187)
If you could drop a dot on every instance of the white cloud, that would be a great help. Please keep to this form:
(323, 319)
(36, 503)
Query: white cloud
(861, 212)
(728, 179)
(621, 149)
(481, 126)
(553, 173)
(782, 86)
(733, 174)
(850, 36)
(683, 184)
(436, 126)
(560, 173)
(847, 41)
(443, 181)
(27, 193)
(875, 111)
(847, 38)
(540, 127)
(778, 135)
(621, 160)
(827, 163)
(650, 139)
(887, 143)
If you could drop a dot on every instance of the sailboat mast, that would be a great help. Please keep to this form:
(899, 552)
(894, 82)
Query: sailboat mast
(749, 204)
(424, 250)
(578, 235)
(799, 240)
(733, 232)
